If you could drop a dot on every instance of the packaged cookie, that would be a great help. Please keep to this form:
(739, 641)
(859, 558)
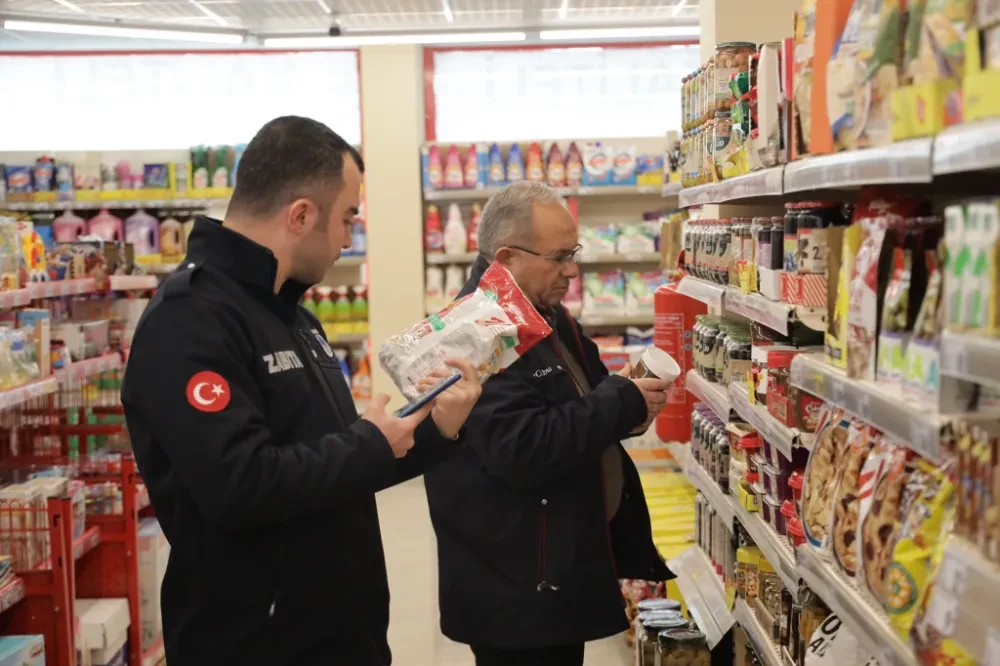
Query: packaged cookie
(821, 478)
(922, 528)
(872, 471)
(878, 526)
(846, 502)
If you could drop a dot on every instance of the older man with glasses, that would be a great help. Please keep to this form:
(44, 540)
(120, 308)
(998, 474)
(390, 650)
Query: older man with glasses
(541, 511)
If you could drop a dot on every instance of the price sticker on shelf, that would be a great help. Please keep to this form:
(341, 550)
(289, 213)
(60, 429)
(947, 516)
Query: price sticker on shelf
(991, 651)
(862, 405)
(837, 392)
(924, 439)
(942, 612)
(954, 358)
(952, 575)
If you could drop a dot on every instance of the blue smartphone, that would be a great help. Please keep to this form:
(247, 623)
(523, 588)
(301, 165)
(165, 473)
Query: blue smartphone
(428, 395)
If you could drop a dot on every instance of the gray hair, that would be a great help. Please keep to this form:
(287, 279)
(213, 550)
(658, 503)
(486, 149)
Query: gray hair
(507, 215)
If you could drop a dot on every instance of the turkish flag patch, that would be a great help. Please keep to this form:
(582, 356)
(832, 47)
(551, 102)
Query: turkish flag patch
(207, 391)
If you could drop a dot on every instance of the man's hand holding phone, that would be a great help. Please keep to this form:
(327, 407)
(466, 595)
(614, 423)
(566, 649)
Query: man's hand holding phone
(453, 406)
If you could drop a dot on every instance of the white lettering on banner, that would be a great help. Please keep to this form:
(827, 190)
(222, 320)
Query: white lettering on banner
(282, 361)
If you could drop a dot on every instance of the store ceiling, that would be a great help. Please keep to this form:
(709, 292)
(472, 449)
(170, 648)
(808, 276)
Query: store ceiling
(298, 16)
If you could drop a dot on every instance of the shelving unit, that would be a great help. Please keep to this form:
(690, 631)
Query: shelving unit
(704, 594)
(710, 393)
(971, 357)
(776, 548)
(482, 194)
(132, 282)
(903, 162)
(760, 637)
(723, 504)
(778, 434)
(88, 367)
(918, 427)
(617, 320)
(613, 259)
(756, 184)
(709, 293)
(43, 206)
(19, 395)
(856, 608)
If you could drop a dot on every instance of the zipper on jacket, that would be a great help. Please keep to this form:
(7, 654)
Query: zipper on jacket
(306, 351)
(542, 544)
(273, 608)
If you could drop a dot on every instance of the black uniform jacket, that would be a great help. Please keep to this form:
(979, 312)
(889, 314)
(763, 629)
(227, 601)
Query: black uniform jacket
(258, 468)
(526, 555)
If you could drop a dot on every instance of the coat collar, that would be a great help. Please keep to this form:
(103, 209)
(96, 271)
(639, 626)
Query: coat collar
(249, 263)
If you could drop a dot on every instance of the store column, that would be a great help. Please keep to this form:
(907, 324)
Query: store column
(392, 126)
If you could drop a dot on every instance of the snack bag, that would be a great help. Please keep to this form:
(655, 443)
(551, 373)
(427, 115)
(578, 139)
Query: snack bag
(846, 501)
(880, 524)
(909, 571)
(872, 472)
(821, 478)
(492, 327)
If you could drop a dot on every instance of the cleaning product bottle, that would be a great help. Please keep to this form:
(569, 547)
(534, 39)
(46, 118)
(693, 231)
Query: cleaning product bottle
(309, 301)
(472, 167)
(361, 382)
(106, 227)
(574, 166)
(535, 170)
(434, 289)
(453, 172)
(435, 172)
(142, 231)
(472, 231)
(68, 227)
(324, 304)
(433, 237)
(199, 168)
(172, 243)
(497, 175)
(556, 167)
(453, 282)
(515, 164)
(455, 239)
(342, 306)
(359, 307)
(188, 226)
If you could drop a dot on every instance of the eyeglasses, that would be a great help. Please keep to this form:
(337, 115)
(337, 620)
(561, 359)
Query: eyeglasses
(560, 257)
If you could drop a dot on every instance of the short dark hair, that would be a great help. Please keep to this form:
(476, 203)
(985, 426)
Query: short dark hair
(285, 159)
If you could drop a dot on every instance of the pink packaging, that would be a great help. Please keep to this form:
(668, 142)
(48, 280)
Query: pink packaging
(68, 227)
(107, 227)
(143, 231)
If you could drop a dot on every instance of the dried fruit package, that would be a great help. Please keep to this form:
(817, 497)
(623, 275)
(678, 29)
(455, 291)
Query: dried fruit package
(821, 478)
(491, 328)
(847, 502)
(909, 571)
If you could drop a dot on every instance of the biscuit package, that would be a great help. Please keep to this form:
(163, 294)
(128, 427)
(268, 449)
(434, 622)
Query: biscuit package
(878, 524)
(847, 499)
(492, 327)
(871, 473)
(821, 477)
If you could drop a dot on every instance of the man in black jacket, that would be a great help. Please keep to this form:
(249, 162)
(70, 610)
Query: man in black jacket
(541, 511)
(245, 432)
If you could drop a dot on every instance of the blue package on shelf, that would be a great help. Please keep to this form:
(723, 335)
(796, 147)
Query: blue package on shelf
(22, 651)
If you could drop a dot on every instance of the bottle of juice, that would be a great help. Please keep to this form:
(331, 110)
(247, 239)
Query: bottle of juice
(433, 235)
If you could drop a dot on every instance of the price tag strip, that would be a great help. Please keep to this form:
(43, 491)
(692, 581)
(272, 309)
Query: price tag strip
(760, 638)
(776, 548)
(709, 393)
(21, 394)
(703, 593)
(971, 357)
(919, 429)
(902, 162)
(859, 612)
(776, 433)
(709, 293)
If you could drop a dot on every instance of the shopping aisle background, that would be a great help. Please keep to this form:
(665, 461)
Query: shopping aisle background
(411, 559)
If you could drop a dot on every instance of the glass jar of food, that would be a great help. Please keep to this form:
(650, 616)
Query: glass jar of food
(682, 647)
(722, 144)
(730, 58)
(708, 170)
(646, 634)
(658, 604)
(709, 95)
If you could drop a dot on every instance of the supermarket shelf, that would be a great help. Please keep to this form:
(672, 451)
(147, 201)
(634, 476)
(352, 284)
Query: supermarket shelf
(481, 194)
(766, 650)
(15, 298)
(464, 258)
(21, 394)
(776, 548)
(971, 357)
(761, 309)
(345, 338)
(58, 288)
(965, 598)
(88, 368)
(968, 147)
(724, 505)
(351, 260)
(919, 428)
(856, 609)
(903, 162)
(112, 204)
(710, 393)
(756, 184)
(617, 320)
(11, 593)
(86, 542)
(671, 190)
(704, 593)
(778, 434)
(709, 293)
(132, 282)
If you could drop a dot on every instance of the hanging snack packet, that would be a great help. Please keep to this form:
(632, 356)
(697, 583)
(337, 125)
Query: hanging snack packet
(491, 328)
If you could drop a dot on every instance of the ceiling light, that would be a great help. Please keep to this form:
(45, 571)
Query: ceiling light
(350, 41)
(620, 33)
(117, 31)
(678, 7)
(448, 15)
(563, 9)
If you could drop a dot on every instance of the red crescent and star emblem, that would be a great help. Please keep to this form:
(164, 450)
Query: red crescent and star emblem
(207, 391)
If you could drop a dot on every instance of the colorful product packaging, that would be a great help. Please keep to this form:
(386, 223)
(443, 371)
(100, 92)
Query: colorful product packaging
(597, 164)
(598, 239)
(603, 294)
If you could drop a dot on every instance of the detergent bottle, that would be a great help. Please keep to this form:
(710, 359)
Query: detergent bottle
(142, 231)
(68, 227)
(107, 227)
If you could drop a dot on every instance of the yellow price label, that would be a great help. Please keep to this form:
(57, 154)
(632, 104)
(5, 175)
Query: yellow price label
(751, 388)
(730, 597)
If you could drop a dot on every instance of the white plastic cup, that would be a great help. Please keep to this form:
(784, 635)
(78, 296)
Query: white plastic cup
(656, 363)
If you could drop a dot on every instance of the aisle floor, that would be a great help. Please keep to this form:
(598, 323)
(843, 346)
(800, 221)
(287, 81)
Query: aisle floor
(411, 558)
